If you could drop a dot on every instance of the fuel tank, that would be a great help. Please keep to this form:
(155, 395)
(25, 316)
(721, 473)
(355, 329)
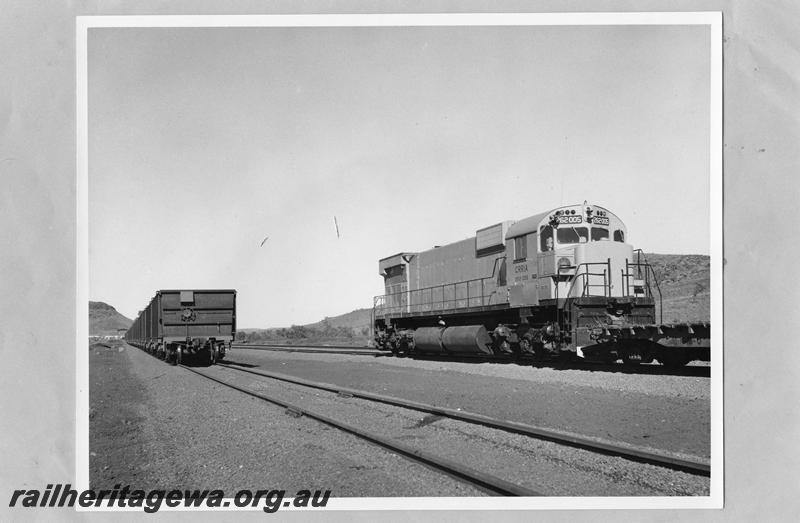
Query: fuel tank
(429, 339)
(466, 339)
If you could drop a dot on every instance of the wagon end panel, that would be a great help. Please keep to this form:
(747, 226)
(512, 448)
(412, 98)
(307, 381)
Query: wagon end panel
(199, 314)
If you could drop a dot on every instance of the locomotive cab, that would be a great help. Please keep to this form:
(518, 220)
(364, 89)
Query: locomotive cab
(579, 251)
(589, 273)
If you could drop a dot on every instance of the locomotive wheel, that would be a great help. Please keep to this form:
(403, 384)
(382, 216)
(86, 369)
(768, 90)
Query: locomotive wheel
(399, 348)
(503, 348)
(525, 347)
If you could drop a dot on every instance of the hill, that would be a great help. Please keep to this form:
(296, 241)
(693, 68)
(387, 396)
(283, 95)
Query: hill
(356, 320)
(351, 328)
(685, 281)
(104, 320)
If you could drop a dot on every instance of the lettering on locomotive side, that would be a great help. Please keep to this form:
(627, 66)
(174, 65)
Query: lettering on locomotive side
(521, 273)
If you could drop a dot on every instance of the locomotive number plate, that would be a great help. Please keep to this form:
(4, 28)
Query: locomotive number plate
(570, 219)
(601, 220)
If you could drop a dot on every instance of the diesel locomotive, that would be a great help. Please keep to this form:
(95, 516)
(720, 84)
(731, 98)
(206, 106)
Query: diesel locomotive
(559, 284)
(178, 325)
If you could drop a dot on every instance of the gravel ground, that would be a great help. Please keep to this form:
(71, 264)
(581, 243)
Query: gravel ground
(664, 412)
(157, 426)
(545, 467)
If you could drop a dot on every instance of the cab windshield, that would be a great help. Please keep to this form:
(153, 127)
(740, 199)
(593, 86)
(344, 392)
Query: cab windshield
(599, 233)
(566, 234)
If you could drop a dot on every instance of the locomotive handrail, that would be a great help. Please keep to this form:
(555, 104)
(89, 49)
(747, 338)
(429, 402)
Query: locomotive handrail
(483, 296)
(648, 270)
(606, 274)
(658, 287)
(444, 302)
(561, 312)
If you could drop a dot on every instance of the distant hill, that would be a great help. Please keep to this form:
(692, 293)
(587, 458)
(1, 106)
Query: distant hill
(356, 320)
(104, 320)
(685, 281)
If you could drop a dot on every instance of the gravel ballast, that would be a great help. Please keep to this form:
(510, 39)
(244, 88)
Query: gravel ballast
(155, 426)
(545, 467)
(664, 412)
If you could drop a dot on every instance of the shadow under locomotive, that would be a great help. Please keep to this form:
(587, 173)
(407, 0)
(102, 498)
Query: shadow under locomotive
(699, 371)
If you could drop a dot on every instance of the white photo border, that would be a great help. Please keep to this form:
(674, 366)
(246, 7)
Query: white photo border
(711, 19)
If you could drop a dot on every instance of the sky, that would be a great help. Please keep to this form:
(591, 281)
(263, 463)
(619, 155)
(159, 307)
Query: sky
(205, 141)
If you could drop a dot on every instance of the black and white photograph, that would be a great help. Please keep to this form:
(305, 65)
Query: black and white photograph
(440, 261)
(405, 257)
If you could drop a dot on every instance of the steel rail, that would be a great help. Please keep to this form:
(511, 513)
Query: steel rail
(697, 467)
(317, 349)
(576, 365)
(305, 345)
(463, 472)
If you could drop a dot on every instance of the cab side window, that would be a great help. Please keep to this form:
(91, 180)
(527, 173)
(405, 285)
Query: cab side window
(619, 236)
(520, 248)
(546, 238)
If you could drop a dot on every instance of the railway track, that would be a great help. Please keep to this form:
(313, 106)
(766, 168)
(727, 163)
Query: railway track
(319, 349)
(486, 481)
(698, 467)
(483, 480)
(700, 371)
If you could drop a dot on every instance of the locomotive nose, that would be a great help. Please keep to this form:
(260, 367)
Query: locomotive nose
(606, 264)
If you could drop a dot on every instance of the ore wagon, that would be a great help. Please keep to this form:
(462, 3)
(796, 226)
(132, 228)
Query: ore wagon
(186, 324)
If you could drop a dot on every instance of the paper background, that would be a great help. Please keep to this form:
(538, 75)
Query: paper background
(37, 258)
